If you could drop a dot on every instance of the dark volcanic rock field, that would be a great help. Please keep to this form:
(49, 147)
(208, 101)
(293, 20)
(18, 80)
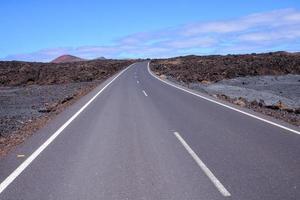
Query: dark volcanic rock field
(216, 68)
(27, 73)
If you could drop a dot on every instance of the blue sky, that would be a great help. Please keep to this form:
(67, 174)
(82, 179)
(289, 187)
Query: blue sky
(42, 30)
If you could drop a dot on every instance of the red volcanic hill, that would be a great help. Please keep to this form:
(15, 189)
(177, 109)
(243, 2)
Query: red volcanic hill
(67, 58)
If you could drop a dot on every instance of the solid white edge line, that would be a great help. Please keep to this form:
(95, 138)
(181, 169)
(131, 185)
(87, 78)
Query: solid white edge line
(35, 154)
(224, 105)
(145, 93)
(204, 168)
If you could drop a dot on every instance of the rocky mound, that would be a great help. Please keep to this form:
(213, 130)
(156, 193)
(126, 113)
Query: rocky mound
(66, 59)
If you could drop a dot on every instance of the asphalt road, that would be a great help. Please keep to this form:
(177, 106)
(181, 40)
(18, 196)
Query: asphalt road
(140, 138)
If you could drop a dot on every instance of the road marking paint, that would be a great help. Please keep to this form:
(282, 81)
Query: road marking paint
(224, 105)
(137, 82)
(35, 154)
(145, 93)
(204, 168)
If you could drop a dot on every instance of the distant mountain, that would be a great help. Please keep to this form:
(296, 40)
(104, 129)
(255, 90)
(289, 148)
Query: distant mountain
(100, 58)
(67, 58)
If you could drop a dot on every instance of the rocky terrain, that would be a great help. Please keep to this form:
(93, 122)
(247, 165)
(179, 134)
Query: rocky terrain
(267, 83)
(33, 93)
(17, 73)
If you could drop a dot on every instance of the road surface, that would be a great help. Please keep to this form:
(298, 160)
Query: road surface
(136, 137)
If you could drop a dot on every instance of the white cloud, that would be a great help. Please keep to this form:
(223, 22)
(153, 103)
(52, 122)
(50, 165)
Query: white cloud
(284, 17)
(267, 31)
(191, 42)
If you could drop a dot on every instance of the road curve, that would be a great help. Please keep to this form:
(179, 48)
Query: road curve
(136, 137)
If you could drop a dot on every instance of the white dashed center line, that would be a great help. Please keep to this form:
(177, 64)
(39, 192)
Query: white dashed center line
(145, 93)
(204, 168)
